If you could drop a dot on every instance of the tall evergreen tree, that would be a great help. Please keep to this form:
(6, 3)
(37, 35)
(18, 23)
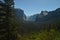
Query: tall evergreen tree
(10, 28)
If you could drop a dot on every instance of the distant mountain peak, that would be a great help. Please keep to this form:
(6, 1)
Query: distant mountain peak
(46, 16)
(44, 13)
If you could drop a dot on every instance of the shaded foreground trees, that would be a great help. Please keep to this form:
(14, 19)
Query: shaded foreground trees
(7, 27)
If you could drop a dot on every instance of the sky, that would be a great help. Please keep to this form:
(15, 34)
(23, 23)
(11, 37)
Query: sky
(32, 7)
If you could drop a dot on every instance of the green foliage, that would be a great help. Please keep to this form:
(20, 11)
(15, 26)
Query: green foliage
(43, 35)
(39, 31)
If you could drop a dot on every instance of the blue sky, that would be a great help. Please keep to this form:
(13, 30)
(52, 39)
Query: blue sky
(32, 7)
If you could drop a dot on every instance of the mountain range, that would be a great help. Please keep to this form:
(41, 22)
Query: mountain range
(46, 16)
(41, 17)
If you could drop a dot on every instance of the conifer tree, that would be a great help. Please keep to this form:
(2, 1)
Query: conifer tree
(10, 28)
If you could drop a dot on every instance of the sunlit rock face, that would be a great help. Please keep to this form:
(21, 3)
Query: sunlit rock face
(45, 13)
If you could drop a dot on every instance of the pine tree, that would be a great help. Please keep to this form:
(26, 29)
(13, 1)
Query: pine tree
(10, 12)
